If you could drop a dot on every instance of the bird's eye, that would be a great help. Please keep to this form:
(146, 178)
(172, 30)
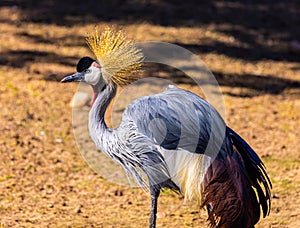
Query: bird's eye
(87, 71)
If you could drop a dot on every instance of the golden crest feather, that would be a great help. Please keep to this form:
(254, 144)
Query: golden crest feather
(119, 58)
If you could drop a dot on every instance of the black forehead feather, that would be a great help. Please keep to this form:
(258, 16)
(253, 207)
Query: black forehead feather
(84, 63)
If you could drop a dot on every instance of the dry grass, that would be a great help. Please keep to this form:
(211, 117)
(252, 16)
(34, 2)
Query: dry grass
(44, 182)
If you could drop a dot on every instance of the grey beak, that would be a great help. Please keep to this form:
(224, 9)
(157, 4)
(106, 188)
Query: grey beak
(77, 77)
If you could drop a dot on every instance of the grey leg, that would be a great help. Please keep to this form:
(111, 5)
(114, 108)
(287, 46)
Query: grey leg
(154, 197)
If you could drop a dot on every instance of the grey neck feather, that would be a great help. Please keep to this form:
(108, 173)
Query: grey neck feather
(97, 126)
(111, 141)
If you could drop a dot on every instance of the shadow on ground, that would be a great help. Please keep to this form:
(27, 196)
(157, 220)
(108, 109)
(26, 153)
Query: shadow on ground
(256, 24)
(249, 21)
(256, 85)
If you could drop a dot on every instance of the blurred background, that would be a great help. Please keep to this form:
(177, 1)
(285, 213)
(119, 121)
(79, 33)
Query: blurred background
(252, 48)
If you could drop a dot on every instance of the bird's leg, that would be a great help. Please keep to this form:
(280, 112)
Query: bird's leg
(154, 197)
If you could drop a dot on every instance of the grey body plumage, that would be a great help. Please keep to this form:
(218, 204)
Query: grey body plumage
(150, 125)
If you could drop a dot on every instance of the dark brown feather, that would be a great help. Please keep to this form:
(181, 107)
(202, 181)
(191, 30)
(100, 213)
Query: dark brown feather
(233, 201)
(229, 186)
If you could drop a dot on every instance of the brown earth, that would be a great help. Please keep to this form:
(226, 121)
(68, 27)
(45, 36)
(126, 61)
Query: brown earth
(44, 182)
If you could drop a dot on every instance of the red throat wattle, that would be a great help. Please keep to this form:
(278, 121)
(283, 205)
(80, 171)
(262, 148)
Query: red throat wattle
(94, 98)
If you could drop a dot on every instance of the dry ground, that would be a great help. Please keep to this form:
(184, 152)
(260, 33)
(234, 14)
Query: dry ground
(44, 182)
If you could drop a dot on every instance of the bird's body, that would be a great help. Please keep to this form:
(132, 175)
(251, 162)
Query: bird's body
(157, 128)
(161, 139)
(177, 140)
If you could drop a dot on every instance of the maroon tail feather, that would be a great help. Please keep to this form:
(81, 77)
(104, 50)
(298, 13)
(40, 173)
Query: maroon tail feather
(229, 191)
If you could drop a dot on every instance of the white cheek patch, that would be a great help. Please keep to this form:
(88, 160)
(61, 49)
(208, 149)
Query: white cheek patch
(92, 77)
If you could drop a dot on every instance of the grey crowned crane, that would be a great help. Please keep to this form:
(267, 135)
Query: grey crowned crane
(173, 139)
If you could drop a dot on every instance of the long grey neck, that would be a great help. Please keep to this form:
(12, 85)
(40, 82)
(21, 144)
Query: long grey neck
(97, 126)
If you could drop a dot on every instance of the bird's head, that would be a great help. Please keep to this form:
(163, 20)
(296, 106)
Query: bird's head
(88, 71)
(118, 60)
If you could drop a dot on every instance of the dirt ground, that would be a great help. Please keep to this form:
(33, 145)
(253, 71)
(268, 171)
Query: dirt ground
(45, 182)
